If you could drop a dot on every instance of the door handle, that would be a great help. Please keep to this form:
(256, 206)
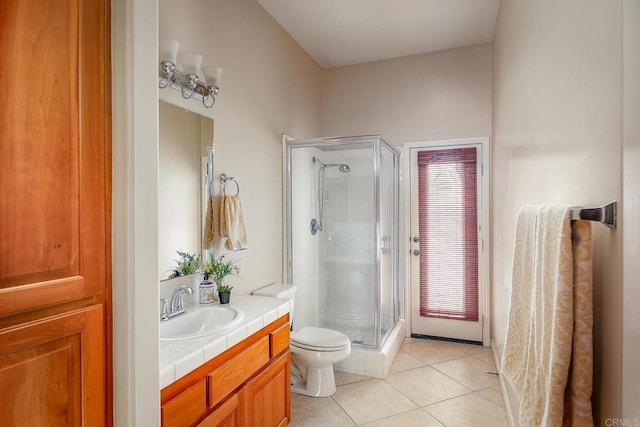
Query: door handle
(416, 252)
(386, 240)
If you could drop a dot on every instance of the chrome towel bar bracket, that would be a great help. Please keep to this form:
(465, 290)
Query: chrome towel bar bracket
(607, 214)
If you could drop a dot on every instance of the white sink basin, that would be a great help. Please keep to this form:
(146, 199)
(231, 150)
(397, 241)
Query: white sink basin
(200, 323)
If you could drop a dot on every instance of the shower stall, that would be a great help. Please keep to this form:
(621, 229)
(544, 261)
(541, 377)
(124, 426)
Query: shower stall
(342, 210)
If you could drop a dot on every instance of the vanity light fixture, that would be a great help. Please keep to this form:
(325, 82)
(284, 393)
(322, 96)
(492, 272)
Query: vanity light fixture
(188, 80)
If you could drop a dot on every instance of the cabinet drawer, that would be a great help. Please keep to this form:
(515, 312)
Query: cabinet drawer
(226, 378)
(279, 340)
(185, 408)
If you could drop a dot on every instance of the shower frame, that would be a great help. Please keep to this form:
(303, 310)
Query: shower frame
(365, 140)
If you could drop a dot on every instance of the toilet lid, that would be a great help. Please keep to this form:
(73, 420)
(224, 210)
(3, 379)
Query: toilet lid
(320, 337)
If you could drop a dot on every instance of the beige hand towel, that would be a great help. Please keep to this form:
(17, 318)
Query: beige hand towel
(208, 235)
(232, 223)
(577, 411)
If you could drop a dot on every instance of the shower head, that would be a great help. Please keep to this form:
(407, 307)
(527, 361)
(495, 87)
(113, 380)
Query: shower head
(342, 167)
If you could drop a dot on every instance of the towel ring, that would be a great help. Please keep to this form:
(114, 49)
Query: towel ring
(223, 180)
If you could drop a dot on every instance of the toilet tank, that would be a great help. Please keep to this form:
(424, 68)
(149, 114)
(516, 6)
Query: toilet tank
(280, 290)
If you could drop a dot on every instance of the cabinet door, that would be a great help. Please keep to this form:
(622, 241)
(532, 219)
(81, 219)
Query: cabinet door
(52, 371)
(265, 400)
(55, 170)
(227, 415)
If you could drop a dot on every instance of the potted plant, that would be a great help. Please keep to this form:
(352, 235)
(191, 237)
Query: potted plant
(186, 264)
(217, 269)
(224, 293)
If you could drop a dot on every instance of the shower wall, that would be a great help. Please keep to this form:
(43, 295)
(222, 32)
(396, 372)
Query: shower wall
(303, 243)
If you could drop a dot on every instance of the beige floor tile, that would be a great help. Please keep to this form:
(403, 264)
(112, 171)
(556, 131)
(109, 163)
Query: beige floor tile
(404, 361)
(360, 399)
(431, 352)
(371, 400)
(470, 372)
(313, 411)
(415, 418)
(493, 395)
(343, 378)
(486, 357)
(418, 343)
(426, 385)
(468, 410)
(474, 348)
(428, 343)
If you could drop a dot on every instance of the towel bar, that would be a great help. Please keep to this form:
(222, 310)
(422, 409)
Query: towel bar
(607, 214)
(224, 178)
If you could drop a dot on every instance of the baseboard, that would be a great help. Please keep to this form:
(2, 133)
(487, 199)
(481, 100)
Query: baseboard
(434, 337)
(503, 387)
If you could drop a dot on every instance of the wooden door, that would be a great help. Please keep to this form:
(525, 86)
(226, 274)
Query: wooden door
(55, 178)
(266, 400)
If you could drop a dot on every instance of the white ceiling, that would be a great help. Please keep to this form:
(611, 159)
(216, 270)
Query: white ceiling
(345, 32)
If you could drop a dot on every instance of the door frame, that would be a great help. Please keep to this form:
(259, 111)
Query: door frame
(484, 221)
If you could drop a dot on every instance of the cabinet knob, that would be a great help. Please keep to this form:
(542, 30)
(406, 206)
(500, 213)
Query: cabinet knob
(416, 239)
(416, 252)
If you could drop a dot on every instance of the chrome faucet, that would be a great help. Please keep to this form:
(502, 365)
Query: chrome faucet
(177, 303)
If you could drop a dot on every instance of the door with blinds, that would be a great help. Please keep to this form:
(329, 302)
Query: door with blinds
(446, 244)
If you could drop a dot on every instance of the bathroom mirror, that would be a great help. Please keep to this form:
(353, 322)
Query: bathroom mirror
(182, 186)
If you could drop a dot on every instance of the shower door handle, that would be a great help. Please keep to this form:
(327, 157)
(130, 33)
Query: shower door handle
(416, 252)
(385, 250)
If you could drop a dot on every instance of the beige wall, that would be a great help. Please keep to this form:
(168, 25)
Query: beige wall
(557, 139)
(269, 86)
(439, 95)
(631, 209)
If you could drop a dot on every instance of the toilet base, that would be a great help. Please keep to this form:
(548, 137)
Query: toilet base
(320, 382)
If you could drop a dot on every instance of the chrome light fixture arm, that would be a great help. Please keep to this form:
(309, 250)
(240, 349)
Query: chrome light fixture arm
(189, 85)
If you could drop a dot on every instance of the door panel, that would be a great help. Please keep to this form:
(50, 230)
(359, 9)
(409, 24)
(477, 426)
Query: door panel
(39, 239)
(53, 152)
(53, 369)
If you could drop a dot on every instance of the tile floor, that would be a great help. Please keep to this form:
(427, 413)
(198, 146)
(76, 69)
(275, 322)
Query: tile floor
(431, 383)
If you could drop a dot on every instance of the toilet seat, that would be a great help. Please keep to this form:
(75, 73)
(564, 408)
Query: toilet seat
(320, 339)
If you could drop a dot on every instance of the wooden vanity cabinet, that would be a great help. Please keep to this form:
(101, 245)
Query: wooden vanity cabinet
(247, 385)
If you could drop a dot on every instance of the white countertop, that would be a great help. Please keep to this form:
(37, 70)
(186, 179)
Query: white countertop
(178, 358)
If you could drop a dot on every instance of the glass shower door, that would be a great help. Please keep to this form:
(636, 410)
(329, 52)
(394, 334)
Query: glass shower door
(346, 261)
(388, 235)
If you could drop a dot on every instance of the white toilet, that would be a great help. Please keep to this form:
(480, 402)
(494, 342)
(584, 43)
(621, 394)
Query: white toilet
(314, 350)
